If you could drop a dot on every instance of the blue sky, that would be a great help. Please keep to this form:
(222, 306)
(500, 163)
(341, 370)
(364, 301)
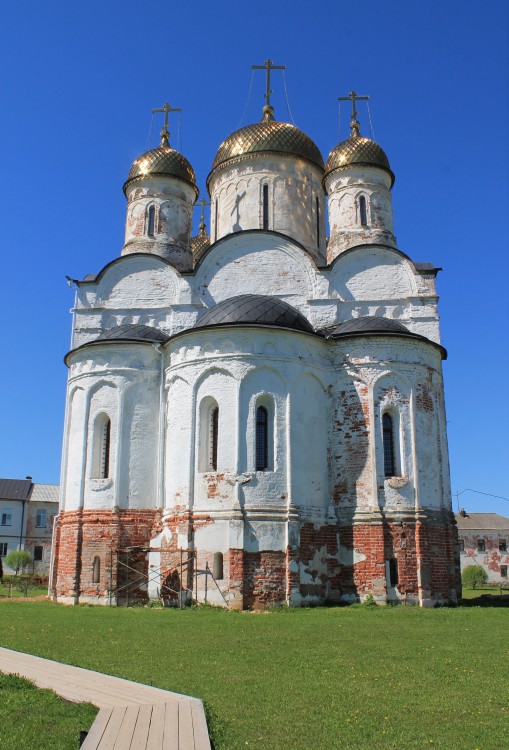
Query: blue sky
(78, 85)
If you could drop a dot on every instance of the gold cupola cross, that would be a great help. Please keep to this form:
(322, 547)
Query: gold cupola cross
(268, 111)
(353, 97)
(165, 133)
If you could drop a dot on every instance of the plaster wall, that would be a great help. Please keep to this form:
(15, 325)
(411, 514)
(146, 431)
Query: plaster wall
(492, 559)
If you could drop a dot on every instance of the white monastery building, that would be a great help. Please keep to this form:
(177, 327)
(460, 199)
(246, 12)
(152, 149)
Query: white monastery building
(264, 405)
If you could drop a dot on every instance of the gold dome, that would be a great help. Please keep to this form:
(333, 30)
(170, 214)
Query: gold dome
(199, 243)
(358, 150)
(162, 161)
(267, 135)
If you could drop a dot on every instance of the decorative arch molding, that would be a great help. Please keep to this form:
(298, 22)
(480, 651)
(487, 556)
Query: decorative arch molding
(359, 274)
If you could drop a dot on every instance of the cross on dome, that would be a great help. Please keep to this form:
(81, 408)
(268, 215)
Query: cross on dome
(268, 110)
(165, 133)
(202, 228)
(354, 123)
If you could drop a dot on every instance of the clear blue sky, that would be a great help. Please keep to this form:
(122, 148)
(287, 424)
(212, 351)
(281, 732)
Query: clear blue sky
(79, 81)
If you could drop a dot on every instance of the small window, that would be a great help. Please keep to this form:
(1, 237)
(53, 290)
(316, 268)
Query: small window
(151, 221)
(265, 192)
(362, 211)
(481, 545)
(214, 430)
(40, 520)
(503, 571)
(96, 570)
(215, 219)
(391, 572)
(502, 545)
(317, 204)
(262, 438)
(461, 545)
(388, 442)
(6, 519)
(217, 568)
(38, 553)
(3, 549)
(101, 449)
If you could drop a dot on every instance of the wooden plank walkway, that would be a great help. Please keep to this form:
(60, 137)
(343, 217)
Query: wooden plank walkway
(132, 716)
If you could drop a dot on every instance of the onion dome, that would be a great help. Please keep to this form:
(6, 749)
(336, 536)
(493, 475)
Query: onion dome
(254, 309)
(132, 333)
(268, 135)
(199, 244)
(359, 151)
(163, 161)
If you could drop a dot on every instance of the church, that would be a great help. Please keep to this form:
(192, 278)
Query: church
(255, 416)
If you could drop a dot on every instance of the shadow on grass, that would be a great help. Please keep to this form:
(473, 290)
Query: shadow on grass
(487, 600)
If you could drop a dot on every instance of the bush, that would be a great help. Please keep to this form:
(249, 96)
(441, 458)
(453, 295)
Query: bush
(18, 559)
(474, 576)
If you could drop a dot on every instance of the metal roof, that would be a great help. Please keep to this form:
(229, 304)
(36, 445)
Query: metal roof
(482, 521)
(15, 489)
(130, 332)
(366, 324)
(255, 309)
(45, 493)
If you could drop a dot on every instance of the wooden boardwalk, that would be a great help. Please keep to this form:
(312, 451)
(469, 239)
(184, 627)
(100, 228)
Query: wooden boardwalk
(132, 716)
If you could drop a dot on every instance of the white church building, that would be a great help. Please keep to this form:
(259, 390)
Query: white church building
(258, 413)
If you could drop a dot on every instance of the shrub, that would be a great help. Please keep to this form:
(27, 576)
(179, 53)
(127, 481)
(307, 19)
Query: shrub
(18, 559)
(473, 576)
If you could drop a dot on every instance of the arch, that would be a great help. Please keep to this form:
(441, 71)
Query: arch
(96, 570)
(217, 566)
(101, 446)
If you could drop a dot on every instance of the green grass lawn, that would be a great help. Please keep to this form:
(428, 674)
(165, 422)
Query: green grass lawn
(39, 719)
(481, 591)
(356, 678)
(14, 586)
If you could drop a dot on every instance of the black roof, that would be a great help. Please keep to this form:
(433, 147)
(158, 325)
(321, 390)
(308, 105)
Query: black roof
(254, 309)
(366, 324)
(132, 333)
(15, 489)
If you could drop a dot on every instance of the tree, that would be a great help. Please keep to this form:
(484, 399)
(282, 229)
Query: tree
(474, 576)
(18, 559)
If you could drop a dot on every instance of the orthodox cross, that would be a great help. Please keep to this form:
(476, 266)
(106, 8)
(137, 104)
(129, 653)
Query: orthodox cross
(165, 133)
(268, 66)
(202, 203)
(354, 125)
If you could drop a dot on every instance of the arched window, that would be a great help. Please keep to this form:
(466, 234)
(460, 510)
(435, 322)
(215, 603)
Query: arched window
(151, 221)
(262, 438)
(96, 570)
(388, 442)
(101, 448)
(214, 429)
(215, 219)
(265, 196)
(362, 211)
(217, 567)
(317, 204)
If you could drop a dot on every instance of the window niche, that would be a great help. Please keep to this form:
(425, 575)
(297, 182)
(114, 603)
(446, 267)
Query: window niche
(151, 221)
(363, 211)
(264, 434)
(208, 435)
(390, 441)
(96, 570)
(217, 566)
(101, 447)
(265, 206)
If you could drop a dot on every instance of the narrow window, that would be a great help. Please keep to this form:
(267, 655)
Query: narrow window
(393, 572)
(262, 425)
(215, 220)
(388, 441)
(101, 448)
(40, 521)
(502, 545)
(6, 518)
(151, 222)
(217, 568)
(317, 222)
(461, 545)
(503, 571)
(96, 570)
(265, 223)
(214, 429)
(481, 545)
(37, 553)
(362, 211)
(3, 549)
